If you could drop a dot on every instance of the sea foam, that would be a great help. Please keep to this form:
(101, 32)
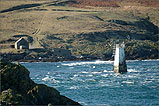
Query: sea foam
(49, 78)
(88, 63)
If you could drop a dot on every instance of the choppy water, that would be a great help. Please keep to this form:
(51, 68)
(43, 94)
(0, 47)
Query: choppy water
(94, 82)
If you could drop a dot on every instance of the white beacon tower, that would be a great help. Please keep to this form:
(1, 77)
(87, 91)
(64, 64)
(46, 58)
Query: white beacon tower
(119, 59)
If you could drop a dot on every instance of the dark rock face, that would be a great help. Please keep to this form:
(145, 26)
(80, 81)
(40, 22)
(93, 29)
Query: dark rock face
(119, 22)
(18, 89)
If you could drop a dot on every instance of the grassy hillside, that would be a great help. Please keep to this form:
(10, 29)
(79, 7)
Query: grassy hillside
(114, 3)
(86, 27)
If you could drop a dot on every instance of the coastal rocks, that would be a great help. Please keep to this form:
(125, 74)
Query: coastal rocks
(10, 96)
(18, 89)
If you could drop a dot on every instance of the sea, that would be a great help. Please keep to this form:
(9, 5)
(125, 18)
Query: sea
(93, 83)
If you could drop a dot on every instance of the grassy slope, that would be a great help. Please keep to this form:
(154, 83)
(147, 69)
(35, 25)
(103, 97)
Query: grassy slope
(87, 30)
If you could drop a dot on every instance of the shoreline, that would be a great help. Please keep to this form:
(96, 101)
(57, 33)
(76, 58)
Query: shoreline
(78, 60)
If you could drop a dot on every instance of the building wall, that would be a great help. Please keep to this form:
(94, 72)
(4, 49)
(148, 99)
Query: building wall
(24, 44)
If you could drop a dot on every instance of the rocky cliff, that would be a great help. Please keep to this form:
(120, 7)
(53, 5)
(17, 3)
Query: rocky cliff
(18, 89)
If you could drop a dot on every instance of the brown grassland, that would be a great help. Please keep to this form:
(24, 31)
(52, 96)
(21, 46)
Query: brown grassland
(69, 23)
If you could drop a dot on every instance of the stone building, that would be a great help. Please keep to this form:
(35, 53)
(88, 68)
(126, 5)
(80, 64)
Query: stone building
(59, 52)
(21, 44)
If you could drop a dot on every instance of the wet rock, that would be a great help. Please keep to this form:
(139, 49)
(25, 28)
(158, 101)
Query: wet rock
(18, 89)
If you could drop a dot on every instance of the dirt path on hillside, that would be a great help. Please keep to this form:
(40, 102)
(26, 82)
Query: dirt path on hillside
(36, 42)
(36, 34)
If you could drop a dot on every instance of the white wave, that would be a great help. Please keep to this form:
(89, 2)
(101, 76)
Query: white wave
(84, 72)
(132, 70)
(104, 75)
(104, 84)
(147, 81)
(143, 60)
(50, 78)
(58, 75)
(77, 79)
(94, 66)
(74, 87)
(88, 62)
(47, 78)
(89, 75)
(75, 75)
(151, 60)
(132, 76)
(55, 81)
(71, 67)
(96, 72)
(128, 82)
(132, 60)
(83, 103)
(105, 71)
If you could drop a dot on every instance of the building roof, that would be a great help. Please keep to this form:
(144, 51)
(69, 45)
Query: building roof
(19, 40)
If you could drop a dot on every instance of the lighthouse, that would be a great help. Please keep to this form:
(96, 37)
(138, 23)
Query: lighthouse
(119, 59)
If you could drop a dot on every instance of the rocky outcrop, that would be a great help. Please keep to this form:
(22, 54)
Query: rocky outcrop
(18, 89)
